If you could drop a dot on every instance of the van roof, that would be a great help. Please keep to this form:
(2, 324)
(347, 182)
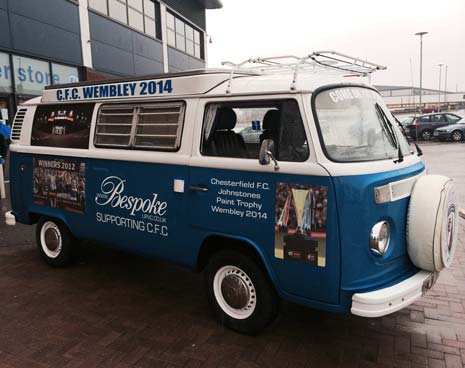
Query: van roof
(282, 74)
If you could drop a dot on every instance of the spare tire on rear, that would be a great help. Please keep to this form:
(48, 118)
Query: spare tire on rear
(432, 223)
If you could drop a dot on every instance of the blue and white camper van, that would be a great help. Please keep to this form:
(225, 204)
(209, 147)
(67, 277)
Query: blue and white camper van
(280, 178)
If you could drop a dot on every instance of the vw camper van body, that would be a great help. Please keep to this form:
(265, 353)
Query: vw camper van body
(314, 210)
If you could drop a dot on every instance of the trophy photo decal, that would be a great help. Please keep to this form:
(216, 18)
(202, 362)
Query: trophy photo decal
(300, 223)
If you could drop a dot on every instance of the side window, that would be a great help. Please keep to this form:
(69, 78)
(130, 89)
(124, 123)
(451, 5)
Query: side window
(144, 126)
(452, 118)
(64, 125)
(438, 119)
(237, 129)
(424, 119)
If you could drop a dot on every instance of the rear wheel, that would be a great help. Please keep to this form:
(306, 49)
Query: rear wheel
(240, 292)
(54, 242)
(426, 135)
(456, 135)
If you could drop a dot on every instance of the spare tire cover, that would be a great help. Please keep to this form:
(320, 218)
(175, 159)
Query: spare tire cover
(432, 223)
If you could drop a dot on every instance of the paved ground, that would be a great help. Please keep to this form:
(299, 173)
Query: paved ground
(115, 310)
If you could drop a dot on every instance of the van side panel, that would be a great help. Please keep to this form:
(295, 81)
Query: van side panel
(129, 205)
(227, 208)
(21, 185)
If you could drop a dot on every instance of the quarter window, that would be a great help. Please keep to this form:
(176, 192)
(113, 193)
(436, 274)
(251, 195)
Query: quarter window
(237, 129)
(144, 126)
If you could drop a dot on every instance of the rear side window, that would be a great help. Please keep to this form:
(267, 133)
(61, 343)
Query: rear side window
(143, 126)
(452, 118)
(64, 125)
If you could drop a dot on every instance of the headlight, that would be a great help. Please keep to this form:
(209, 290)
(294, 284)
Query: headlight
(379, 238)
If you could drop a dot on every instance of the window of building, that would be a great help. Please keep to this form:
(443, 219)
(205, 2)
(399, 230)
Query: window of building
(31, 75)
(170, 29)
(149, 18)
(118, 10)
(183, 36)
(64, 74)
(138, 14)
(144, 126)
(180, 35)
(237, 129)
(5, 74)
(99, 5)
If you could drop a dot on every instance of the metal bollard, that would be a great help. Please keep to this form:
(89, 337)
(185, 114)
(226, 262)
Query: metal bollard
(2, 183)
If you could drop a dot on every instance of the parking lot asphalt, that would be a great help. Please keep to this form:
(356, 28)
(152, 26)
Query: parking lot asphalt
(111, 309)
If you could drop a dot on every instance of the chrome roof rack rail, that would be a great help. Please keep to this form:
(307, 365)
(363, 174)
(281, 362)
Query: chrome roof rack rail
(320, 61)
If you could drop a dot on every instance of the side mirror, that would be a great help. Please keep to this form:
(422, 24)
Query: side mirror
(267, 152)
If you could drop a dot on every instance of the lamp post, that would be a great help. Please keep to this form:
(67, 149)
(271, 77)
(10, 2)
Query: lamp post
(440, 65)
(445, 88)
(421, 34)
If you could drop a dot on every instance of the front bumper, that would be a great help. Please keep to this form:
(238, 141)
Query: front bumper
(441, 135)
(393, 298)
(10, 218)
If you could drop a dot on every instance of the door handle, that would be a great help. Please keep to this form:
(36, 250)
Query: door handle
(193, 188)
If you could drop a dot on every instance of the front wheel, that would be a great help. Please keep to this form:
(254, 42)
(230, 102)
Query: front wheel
(54, 242)
(426, 135)
(240, 292)
(456, 135)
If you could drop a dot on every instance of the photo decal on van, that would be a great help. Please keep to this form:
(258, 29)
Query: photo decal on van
(60, 184)
(66, 126)
(300, 223)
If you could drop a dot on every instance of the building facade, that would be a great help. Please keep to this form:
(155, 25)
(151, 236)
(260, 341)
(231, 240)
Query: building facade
(46, 42)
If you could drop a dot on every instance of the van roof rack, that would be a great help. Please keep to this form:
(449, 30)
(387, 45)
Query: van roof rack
(327, 61)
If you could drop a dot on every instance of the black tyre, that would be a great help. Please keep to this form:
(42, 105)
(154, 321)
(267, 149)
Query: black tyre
(240, 292)
(426, 135)
(456, 136)
(54, 241)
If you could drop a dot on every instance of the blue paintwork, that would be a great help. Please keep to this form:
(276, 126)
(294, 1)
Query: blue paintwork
(361, 269)
(350, 266)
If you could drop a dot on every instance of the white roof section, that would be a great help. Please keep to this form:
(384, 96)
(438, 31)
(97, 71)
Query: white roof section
(273, 75)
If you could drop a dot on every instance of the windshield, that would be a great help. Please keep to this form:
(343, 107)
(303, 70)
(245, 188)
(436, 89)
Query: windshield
(356, 126)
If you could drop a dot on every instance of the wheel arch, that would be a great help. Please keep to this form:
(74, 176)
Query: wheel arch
(216, 242)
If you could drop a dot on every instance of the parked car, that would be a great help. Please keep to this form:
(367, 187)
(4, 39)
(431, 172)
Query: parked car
(454, 132)
(423, 126)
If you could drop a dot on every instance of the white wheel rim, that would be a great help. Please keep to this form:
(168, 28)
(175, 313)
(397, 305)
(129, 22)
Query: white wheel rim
(50, 239)
(234, 292)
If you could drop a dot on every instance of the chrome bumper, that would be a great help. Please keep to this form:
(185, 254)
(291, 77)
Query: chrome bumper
(393, 298)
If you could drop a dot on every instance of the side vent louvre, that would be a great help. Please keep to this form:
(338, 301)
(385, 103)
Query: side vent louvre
(18, 125)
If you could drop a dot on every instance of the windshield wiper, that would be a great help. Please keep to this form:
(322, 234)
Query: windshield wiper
(417, 147)
(390, 129)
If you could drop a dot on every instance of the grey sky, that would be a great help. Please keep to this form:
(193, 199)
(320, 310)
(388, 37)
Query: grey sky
(380, 31)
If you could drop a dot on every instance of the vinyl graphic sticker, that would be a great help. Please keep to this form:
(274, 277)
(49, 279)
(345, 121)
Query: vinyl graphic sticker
(300, 223)
(60, 184)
